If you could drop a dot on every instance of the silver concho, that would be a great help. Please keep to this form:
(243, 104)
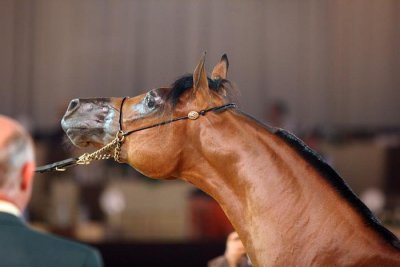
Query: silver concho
(193, 115)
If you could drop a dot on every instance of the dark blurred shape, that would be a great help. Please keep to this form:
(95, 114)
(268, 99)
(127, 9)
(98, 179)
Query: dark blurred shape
(208, 220)
(127, 254)
(393, 185)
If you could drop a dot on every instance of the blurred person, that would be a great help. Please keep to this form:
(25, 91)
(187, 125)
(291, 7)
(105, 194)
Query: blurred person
(208, 220)
(278, 115)
(234, 256)
(21, 245)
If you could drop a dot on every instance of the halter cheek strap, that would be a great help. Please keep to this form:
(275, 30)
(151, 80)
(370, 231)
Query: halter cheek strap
(113, 149)
(192, 115)
(120, 113)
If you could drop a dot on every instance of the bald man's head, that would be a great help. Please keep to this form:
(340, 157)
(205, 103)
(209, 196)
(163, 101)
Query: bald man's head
(16, 151)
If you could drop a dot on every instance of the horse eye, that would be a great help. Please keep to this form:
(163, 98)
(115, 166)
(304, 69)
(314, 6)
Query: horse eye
(150, 102)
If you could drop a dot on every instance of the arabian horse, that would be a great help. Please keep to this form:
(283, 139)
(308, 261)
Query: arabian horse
(289, 207)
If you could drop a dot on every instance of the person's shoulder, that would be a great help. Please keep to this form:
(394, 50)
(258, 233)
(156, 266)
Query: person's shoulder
(59, 241)
(66, 248)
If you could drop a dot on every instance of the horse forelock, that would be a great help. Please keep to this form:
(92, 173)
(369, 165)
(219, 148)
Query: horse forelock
(185, 83)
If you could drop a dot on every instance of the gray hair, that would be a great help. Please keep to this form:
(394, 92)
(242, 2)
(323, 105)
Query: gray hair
(14, 153)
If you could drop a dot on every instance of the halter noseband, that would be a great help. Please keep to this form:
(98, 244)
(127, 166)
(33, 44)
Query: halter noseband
(116, 143)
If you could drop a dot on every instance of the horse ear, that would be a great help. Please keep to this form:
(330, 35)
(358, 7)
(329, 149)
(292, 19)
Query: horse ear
(220, 70)
(200, 75)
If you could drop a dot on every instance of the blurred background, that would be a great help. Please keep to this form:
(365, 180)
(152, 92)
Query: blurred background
(325, 70)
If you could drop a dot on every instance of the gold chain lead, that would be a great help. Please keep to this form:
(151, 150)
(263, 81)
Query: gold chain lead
(105, 151)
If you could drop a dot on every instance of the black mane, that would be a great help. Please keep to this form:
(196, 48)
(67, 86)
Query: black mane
(339, 184)
(186, 82)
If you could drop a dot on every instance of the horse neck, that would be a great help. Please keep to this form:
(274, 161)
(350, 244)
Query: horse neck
(276, 200)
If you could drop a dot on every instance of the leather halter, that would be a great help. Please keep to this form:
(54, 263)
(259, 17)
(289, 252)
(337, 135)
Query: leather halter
(192, 115)
(116, 143)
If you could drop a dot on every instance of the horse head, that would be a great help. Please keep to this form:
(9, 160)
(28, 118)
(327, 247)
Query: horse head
(155, 151)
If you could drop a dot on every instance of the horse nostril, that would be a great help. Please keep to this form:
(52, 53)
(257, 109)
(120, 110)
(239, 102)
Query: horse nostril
(73, 104)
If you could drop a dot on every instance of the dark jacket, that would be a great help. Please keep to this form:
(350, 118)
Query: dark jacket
(20, 246)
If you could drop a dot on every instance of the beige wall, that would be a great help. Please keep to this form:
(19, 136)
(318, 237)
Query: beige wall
(334, 62)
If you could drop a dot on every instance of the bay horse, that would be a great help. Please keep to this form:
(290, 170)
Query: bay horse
(289, 207)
